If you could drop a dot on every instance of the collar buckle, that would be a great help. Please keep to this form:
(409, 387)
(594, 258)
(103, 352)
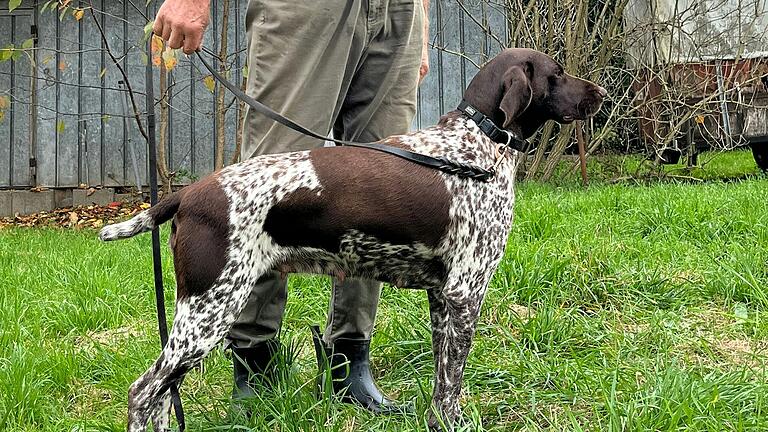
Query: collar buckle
(486, 125)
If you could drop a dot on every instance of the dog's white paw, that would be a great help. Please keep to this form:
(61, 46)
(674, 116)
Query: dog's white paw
(109, 233)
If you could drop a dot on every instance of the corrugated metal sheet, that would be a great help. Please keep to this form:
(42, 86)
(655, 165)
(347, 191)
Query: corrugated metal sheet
(680, 31)
(15, 87)
(83, 130)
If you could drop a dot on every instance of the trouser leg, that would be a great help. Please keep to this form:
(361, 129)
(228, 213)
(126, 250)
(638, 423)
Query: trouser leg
(352, 309)
(262, 316)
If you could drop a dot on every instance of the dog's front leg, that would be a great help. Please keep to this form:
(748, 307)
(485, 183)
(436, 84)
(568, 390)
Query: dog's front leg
(453, 313)
(161, 414)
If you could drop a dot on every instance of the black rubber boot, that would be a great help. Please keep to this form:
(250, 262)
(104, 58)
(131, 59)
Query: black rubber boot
(253, 367)
(351, 375)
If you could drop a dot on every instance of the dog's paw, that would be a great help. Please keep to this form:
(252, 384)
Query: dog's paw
(108, 233)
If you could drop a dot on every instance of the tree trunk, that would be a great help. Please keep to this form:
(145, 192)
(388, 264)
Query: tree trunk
(221, 108)
(162, 154)
(240, 125)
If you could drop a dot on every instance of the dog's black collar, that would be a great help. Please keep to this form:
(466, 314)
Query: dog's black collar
(495, 133)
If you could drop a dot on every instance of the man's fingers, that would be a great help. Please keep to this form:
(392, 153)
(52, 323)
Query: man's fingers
(176, 39)
(166, 32)
(192, 42)
(157, 28)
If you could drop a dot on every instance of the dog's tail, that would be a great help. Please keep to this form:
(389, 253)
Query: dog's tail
(144, 221)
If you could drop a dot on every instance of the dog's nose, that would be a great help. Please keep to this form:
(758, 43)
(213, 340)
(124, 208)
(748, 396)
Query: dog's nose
(602, 91)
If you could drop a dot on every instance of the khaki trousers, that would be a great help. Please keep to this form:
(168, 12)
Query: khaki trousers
(347, 66)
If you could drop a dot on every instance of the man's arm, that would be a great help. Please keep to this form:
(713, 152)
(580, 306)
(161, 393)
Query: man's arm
(182, 22)
(425, 47)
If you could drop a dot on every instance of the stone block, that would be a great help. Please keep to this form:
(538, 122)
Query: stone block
(62, 198)
(6, 210)
(26, 202)
(100, 197)
(128, 197)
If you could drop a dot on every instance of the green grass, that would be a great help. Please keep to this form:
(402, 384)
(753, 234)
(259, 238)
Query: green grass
(731, 165)
(618, 307)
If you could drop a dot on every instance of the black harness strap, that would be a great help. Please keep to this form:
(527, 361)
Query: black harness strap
(440, 163)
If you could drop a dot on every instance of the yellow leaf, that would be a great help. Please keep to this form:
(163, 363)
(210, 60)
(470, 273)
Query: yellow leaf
(144, 205)
(157, 44)
(169, 58)
(2, 115)
(170, 63)
(156, 60)
(62, 65)
(4, 102)
(64, 3)
(103, 72)
(699, 119)
(78, 14)
(60, 126)
(209, 83)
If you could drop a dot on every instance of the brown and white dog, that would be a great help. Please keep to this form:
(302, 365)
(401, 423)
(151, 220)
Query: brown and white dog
(348, 211)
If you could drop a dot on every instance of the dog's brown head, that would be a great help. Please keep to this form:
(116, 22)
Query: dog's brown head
(520, 89)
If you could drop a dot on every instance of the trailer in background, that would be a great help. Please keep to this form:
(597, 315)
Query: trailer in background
(701, 75)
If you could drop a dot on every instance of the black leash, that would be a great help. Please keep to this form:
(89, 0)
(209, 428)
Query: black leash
(440, 163)
(162, 322)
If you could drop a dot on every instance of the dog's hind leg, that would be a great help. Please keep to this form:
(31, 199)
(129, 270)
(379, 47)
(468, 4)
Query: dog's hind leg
(200, 322)
(453, 311)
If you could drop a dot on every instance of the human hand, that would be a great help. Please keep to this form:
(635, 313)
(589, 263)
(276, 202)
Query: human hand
(181, 23)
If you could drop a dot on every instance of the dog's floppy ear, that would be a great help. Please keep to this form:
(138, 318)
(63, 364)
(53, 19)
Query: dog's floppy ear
(517, 92)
